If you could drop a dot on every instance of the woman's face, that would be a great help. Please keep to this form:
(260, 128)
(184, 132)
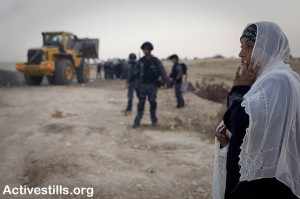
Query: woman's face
(247, 46)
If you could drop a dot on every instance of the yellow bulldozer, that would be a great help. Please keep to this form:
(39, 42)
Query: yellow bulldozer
(62, 56)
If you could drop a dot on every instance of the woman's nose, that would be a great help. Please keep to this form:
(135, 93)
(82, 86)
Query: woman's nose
(242, 53)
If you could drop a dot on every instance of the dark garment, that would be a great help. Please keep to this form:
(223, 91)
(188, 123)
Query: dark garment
(177, 72)
(99, 67)
(236, 121)
(150, 70)
(124, 73)
(132, 71)
(178, 94)
(150, 91)
(266, 188)
(106, 70)
(118, 70)
(132, 80)
(132, 86)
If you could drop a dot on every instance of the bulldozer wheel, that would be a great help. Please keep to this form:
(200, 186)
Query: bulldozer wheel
(33, 80)
(83, 72)
(64, 72)
(51, 80)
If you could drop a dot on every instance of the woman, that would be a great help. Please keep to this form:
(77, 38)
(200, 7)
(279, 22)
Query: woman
(258, 142)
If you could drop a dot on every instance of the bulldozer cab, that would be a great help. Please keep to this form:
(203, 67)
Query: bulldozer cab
(65, 41)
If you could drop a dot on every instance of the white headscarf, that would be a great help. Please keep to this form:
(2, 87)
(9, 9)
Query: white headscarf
(271, 146)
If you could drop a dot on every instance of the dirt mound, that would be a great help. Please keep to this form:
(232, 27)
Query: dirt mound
(8, 78)
(211, 90)
(37, 170)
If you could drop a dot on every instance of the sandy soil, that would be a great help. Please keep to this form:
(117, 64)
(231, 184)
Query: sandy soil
(77, 136)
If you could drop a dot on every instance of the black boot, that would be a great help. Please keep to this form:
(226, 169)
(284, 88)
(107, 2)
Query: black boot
(180, 104)
(127, 110)
(135, 125)
(129, 106)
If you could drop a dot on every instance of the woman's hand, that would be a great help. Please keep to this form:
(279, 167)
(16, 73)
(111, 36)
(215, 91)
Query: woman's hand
(247, 76)
(222, 138)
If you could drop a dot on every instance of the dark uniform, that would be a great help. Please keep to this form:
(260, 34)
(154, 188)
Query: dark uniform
(99, 67)
(150, 69)
(132, 80)
(177, 71)
(107, 70)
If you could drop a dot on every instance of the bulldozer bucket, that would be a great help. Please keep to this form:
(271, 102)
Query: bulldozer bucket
(88, 47)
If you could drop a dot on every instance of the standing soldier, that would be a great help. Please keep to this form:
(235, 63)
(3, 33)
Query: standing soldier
(132, 81)
(106, 69)
(99, 67)
(176, 75)
(150, 69)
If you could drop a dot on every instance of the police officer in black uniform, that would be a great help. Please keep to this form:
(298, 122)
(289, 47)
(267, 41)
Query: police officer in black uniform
(132, 81)
(150, 70)
(176, 75)
(99, 68)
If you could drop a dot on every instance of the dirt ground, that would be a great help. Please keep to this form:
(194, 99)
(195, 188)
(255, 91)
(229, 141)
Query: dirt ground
(77, 136)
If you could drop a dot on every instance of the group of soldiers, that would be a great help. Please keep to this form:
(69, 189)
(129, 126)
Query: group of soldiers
(113, 69)
(145, 76)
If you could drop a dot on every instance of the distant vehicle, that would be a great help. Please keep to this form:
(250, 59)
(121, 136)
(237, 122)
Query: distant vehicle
(62, 56)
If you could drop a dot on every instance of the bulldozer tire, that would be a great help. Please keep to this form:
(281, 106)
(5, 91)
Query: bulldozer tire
(83, 72)
(64, 72)
(51, 80)
(33, 80)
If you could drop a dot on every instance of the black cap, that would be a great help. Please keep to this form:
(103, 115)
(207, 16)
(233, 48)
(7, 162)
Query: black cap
(147, 45)
(174, 56)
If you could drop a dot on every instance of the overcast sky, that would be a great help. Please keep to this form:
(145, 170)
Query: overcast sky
(190, 28)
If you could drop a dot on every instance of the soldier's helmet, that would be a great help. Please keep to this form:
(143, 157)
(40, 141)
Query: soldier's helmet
(147, 45)
(132, 56)
(174, 56)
